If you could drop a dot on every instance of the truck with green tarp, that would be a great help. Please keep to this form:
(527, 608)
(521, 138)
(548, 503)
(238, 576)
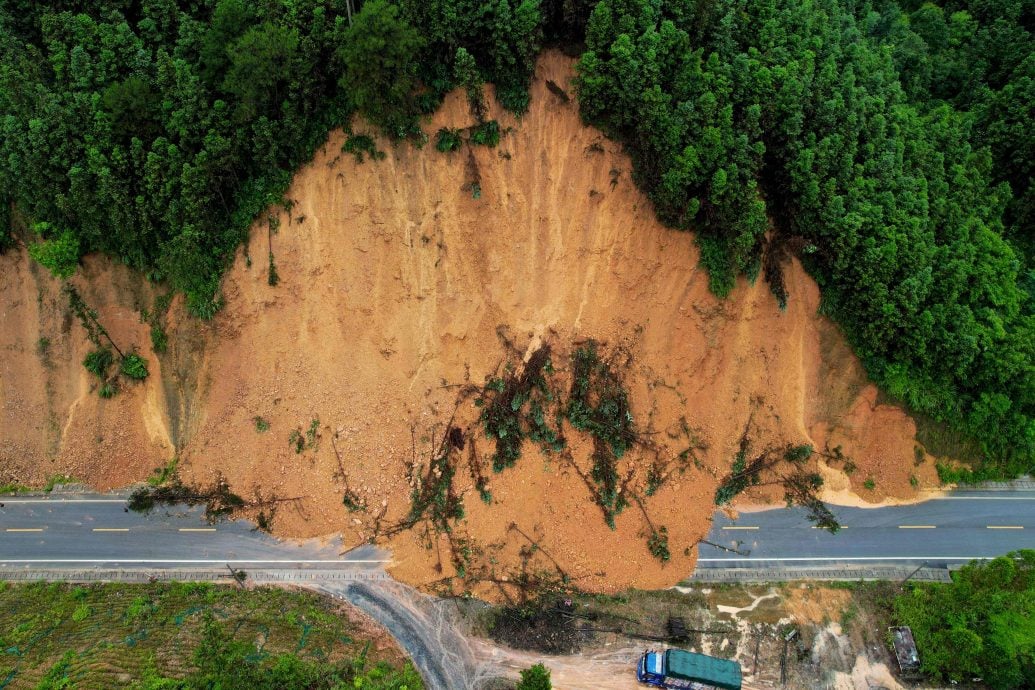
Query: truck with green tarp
(676, 668)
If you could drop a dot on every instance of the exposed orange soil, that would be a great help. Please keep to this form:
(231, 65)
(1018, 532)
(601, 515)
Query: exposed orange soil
(395, 285)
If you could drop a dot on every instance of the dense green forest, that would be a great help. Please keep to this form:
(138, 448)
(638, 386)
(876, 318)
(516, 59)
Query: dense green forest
(980, 626)
(887, 145)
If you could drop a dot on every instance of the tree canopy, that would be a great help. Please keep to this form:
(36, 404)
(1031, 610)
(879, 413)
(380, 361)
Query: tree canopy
(980, 626)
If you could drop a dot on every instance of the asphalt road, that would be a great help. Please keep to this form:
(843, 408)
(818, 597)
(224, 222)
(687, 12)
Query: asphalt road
(82, 530)
(96, 531)
(941, 532)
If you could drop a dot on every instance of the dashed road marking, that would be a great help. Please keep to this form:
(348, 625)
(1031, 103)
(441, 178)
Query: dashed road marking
(738, 527)
(293, 561)
(875, 559)
(24, 529)
(63, 500)
(197, 529)
(839, 527)
(1004, 527)
(984, 498)
(916, 527)
(110, 529)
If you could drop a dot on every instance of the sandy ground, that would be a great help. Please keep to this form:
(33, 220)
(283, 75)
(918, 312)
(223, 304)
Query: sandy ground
(396, 284)
(822, 654)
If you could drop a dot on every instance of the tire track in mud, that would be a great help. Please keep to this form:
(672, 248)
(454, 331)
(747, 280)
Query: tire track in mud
(420, 626)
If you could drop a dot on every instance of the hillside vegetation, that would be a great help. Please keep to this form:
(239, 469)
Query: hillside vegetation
(187, 636)
(979, 626)
(886, 145)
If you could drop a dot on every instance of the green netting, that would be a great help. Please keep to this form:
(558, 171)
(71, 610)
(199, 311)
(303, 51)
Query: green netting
(720, 673)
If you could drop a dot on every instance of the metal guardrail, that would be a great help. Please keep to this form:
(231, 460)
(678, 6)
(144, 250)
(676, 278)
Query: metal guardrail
(260, 576)
(837, 574)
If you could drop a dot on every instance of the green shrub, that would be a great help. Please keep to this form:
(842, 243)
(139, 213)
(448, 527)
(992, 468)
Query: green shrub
(261, 424)
(134, 366)
(358, 144)
(99, 361)
(60, 254)
(55, 479)
(448, 140)
(159, 339)
(535, 678)
(486, 134)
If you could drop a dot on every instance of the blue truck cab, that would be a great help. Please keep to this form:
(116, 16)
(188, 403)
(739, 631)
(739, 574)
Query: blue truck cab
(676, 668)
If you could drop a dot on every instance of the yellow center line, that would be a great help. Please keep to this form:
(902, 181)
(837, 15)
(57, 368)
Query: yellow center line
(197, 529)
(916, 526)
(110, 529)
(733, 527)
(1004, 527)
(24, 529)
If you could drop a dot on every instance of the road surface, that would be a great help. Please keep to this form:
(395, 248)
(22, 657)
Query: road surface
(88, 530)
(942, 532)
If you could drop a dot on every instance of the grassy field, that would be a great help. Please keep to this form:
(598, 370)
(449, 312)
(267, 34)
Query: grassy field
(118, 635)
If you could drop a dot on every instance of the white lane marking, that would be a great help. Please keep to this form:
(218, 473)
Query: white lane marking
(876, 559)
(983, 498)
(110, 529)
(24, 529)
(916, 527)
(173, 560)
(64, 500)
(197, 529)
(1004, 527)
(839, 527)
(735, 527)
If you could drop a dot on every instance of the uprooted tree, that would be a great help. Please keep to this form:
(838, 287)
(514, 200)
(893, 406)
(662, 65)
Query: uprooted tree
(523, 400)
(785, 466)
(218, 499)
(99, 361)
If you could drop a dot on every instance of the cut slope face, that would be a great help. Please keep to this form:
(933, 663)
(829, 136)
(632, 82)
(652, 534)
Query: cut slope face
(399, 281)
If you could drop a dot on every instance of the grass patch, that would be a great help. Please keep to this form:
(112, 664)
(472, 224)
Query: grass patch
(196, 634)
(941, 441)
(55, 479)
(299, 442)
(163, 474)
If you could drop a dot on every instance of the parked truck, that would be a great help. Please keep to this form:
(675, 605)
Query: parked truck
(675, 668)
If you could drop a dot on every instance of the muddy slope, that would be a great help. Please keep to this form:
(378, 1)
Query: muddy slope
(399, 280)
